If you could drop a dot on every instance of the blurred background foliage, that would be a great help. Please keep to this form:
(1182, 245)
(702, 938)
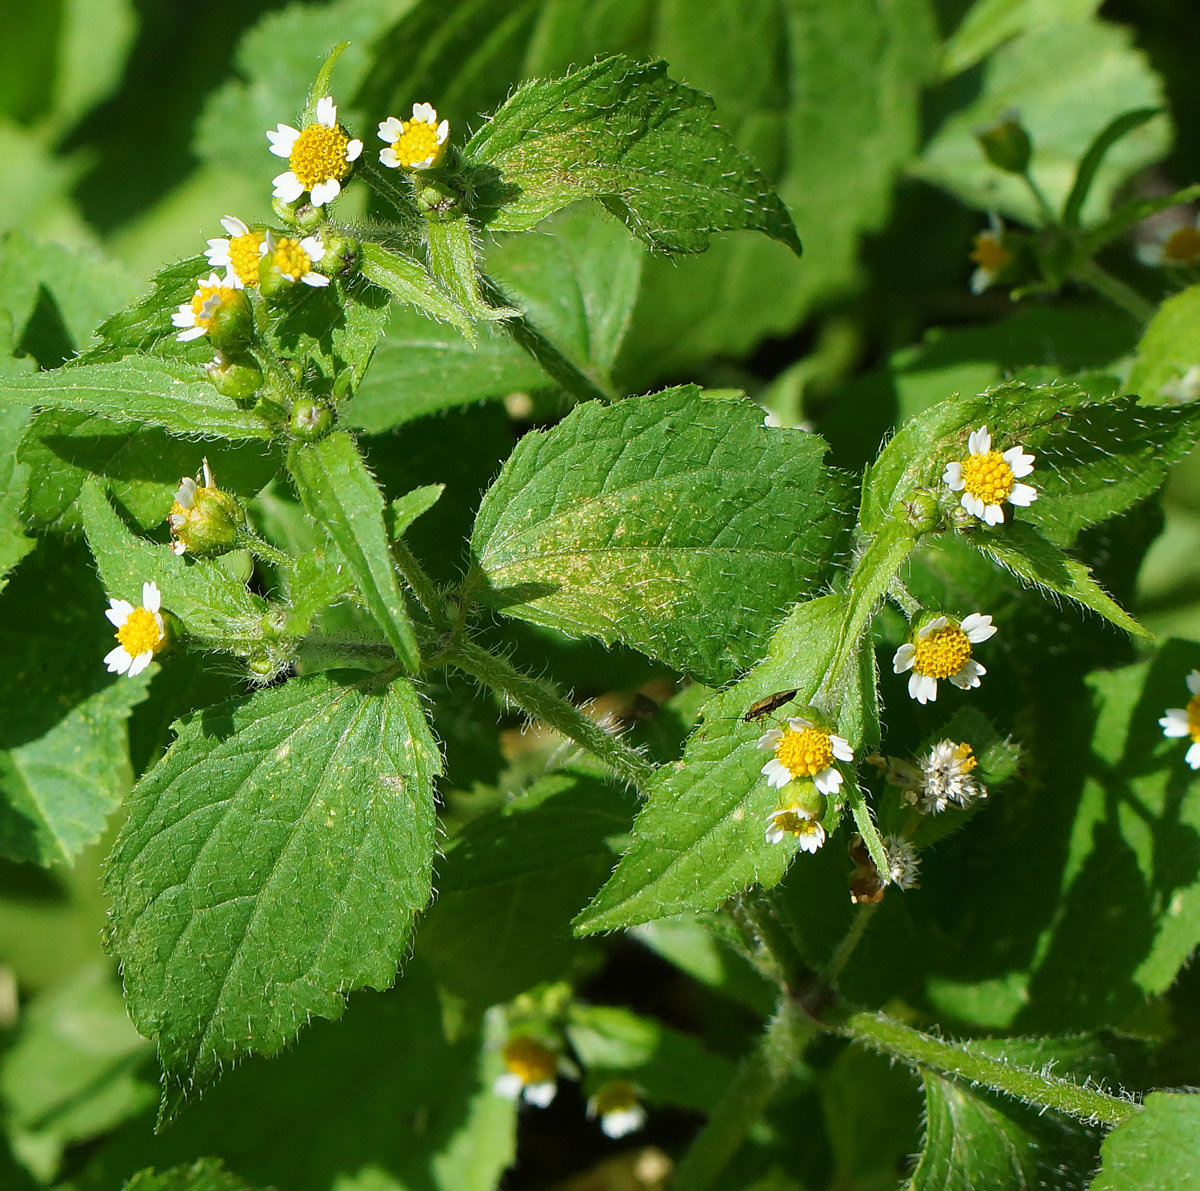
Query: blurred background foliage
(128, 127)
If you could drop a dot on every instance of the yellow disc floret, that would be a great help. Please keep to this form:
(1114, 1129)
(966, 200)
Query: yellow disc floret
(1182, 246)
(290, 259)
(207, 302)
(964, 758)
(417, 143)
(318, 154)
(244, 257)
(1193, 715)
(618, 1095)
(990, 254)
(942, 652)
(140, 633)
(988, 477)
(805, 753)
(532, 1062)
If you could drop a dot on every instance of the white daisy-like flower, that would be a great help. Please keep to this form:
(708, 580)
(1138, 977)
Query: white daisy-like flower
(616, 1104)
(141, 632)
(294, 259)
(946, 778)
(804, 750)
(797, 822)
(942, 649)
(987, 478)
(1185, 721)
(416, 144)
(531, 1072)
(195, 318)
(991, 257)
(903, 864)
(1177, 245)
(320, 156)
(239, 255)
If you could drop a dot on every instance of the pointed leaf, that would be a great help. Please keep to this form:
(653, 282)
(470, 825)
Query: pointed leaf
(247, 882)
(1039, 563)
(410, 282)
(150, 389)
(627, 134)
(701, 836)
(675, 523)
(339, 492)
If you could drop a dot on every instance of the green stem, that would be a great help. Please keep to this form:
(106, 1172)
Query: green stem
(423, 587)
(1115, 290)
(850, 941)
(957, 1059)
(261, 549)
(552, 361)
(539, 700)
(759, 1077)
(1049, 219)
(866, 826)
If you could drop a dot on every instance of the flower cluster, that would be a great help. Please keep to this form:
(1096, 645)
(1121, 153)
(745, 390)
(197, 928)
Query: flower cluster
(532, 1069)
(941, 648)
(141, 632)
(987, 479)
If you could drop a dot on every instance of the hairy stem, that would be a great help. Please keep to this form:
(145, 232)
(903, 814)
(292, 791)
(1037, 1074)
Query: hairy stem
(759, 1077)
(552, 361)
(850, 942)
(422, 586)
(539, 700)
(959, 1060)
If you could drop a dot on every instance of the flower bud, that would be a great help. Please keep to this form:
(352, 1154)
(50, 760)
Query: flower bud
(310, 420)
(920, 511)
(805, 798)
(962, 521)
(232, 323)
(341, 256)
(300, 213)
(438, 200)
(1006, 144)
(204, 520)
(237, 376)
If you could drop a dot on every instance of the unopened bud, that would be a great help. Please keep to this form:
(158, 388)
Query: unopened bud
(438, 199)
(919, 511)
(301, 214)
(341, 256)
(232, 323)
(237, 376)
(1006, 144)
(310, 420)
(204, 520)
(963, 521)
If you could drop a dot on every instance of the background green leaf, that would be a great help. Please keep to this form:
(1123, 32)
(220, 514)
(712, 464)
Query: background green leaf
(1157, 1149)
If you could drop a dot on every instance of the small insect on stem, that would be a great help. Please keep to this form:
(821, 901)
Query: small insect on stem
(767, 705)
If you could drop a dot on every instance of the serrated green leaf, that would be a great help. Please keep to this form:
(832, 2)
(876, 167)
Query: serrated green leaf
(1042, 73)
(404, 510)
(145, 324)
(142, 465)
(210, 603)
(1169, 349)
(338, 491)
(169, 393)
(72, 1073)
(583, 532)
(1023, 551)
(64, 764)
(314, 785)
(701, 836)
(206, 1174)
(1158, 1149)
(410, 282)
(633, 138)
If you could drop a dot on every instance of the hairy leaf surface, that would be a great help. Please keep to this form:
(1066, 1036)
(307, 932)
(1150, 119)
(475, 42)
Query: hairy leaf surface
(246, 881)
(679, 525)
(1158, 1149)
(638, 141)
